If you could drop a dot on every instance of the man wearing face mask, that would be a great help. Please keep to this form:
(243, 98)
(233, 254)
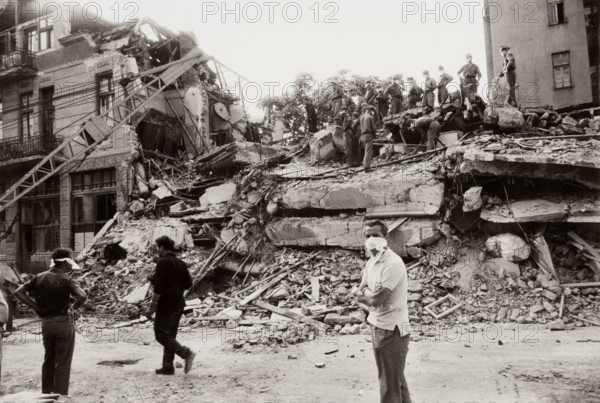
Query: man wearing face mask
(384, 289)
(51, 291)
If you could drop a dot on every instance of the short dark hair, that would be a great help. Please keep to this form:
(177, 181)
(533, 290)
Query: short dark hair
(61, 253)
(381, 224)
(165, 242)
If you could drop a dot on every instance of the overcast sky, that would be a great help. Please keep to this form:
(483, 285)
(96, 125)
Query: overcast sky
(274, 41)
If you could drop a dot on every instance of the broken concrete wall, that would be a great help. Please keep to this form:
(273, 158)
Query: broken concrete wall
(347, 233)
(407, 190)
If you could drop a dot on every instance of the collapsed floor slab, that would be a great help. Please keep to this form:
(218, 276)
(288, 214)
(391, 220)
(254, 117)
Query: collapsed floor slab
(543, 211)
(347, 233)
(412, 191)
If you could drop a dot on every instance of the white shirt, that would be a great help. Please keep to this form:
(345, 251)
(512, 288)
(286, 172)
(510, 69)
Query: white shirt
(386, 269)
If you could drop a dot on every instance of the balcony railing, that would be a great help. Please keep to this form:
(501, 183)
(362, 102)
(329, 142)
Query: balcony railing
(18, 59)
(35, 145)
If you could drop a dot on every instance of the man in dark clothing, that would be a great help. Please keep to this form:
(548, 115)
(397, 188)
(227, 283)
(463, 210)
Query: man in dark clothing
(414, 94)
(367, 132)
(428, 128)
(470, 74)
(445, 79)
(351, 142)
(170, 281)
(51, 291)
(335, 98)
(311, 116)
(382, 106)
(394, 91)
(509, 68)
(429, 97)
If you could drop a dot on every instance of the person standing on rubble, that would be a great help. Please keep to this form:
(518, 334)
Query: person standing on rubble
(384, 289)
(394, 91)
(335, 98)
(171, 279)
(382, 106)
(445, 79)
(470, 75)
(311, 116)
(415, 94)
(351, 143)
(428, 129)
(429, 97)
(509, 68)
(51, 291)
(367, 133)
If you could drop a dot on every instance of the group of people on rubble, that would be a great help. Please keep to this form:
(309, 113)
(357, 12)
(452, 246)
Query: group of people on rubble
(361, 116)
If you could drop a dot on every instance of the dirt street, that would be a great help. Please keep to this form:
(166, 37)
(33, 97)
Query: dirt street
(531, 365)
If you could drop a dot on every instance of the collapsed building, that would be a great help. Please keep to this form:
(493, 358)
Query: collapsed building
(84, 103)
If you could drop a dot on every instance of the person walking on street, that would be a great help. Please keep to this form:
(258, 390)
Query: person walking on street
(509, 68)
(367, 132)
(51, 291)
(429, 97)
(171, 279)
(445, 79)
(384, 289)
(4, 313)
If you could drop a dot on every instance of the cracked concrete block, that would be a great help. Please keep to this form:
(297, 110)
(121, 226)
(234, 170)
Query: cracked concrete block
(218, 194)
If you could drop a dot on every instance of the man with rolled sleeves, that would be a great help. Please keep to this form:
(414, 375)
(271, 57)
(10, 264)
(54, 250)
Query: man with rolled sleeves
(367, 132)
(470, 74)
(509, 68)
(429, 97)
(51, 292)
(384, 289)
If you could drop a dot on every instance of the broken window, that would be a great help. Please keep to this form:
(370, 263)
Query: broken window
(94, 203)
(106, 97)
(47, 96)
(40, 228)
(556, 12)
(562, 69)
(26, 115)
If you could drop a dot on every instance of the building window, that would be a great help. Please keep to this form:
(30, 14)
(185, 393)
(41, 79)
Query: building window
(31, 39)
(106, 97)
(93, 180)
(26, 115)
(556, 12)
(562, 70)
(46, 35)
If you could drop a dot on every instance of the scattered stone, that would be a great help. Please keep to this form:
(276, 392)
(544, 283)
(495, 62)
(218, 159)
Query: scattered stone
(556, 325)
(548, 306)
(320, 365)
(550, 295)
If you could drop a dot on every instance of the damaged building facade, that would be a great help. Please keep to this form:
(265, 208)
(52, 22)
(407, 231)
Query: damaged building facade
(57, 71)
(555, 44)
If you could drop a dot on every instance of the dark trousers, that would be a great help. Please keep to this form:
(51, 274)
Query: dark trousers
(511, 77)
(165, 331)
(442, 94)
(390, 355)
(382, 110)
(428, 100)
(59, 342)
(367, 142)
(352, 145)
(396, 105)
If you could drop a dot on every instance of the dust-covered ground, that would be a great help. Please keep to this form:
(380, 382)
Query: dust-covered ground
(457, 365)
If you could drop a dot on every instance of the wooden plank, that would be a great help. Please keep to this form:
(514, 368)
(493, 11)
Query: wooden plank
(262, 289)
(584, 320)
(542, 256)
(586, 245)
(580, 285)
(314, 285)
(298, 317)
